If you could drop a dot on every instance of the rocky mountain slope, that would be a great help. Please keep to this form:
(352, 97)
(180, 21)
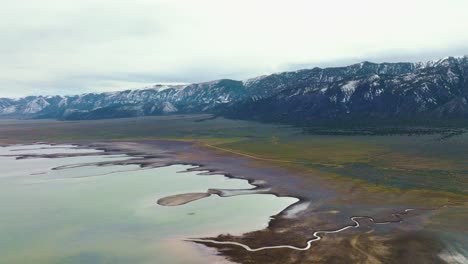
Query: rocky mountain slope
(435, 89)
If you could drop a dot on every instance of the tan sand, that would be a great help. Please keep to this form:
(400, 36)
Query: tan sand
(181, 199)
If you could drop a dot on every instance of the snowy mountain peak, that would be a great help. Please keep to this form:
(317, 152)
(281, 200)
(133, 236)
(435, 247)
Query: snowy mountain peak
(433, 88)
(162, 87)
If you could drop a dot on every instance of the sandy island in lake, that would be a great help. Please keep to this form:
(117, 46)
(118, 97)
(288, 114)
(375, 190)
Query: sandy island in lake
(180, 199)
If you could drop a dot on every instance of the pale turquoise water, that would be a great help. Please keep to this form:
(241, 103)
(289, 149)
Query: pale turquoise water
(109, 214)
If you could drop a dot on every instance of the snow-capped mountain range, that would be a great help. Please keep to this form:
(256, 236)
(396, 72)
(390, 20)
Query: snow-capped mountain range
(435, 89)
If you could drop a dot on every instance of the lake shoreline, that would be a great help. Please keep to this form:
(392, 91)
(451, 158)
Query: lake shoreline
(128, 194)
(324, 210)
(167, 154)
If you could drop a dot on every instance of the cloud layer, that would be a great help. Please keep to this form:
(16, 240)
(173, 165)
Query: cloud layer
(67, 46)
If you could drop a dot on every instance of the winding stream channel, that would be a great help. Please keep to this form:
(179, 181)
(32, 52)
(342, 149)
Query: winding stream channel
(316, 236)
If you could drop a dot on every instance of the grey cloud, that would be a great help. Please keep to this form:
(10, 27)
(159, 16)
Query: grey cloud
(67, 46)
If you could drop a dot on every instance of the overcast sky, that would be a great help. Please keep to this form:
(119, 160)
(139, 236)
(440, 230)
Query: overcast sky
(70, 46)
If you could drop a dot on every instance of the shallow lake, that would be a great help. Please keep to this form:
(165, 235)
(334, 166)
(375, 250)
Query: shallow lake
(109, 214)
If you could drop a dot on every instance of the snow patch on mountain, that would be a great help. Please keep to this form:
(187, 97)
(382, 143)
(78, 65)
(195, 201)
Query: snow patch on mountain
(251, 81)
(163, 87)
(348, 90)
(9, 110)
(169, 108)
(36, 106)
